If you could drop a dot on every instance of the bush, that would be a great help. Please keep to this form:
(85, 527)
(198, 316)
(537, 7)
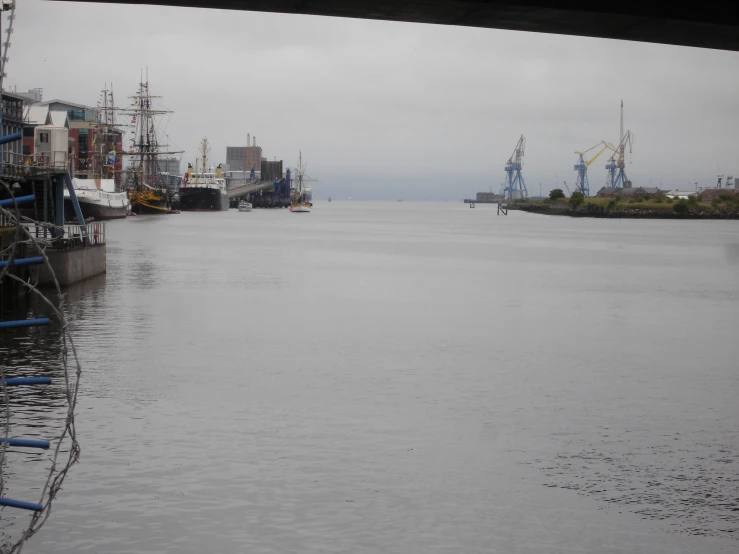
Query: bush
(726, 196)
(669, 200)
(577, 199)
(699, 196)
(556, 194)
(693, 202)
(681, 207)
(612, 204)
(716, 201)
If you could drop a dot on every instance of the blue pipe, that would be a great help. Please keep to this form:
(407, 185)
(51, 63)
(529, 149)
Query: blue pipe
(24, 261)
(24, 323)
(75, 205)
(14, 381)
(26, 443)
(19, 200)
(20, 504)
(10, 138)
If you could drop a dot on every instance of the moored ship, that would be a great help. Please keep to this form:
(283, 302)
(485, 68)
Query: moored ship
(98, 200)
(301, 197)
(97, 178)
(147, 187)
(204, 190)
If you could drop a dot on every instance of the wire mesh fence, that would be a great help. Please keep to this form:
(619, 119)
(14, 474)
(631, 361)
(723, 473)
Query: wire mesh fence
(20, 520)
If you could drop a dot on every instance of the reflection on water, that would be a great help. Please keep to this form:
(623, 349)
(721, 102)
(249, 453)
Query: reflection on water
(399, 378)
(687, 481)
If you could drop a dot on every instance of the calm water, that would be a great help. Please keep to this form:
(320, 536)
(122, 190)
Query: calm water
(400, 378)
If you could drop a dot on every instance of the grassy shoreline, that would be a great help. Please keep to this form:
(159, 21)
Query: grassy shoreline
(635, 208)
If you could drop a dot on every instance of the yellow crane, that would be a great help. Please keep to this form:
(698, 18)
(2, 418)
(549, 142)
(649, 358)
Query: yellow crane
(616, 164)
(582, 166)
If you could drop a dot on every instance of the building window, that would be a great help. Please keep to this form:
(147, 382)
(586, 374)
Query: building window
(27, 131)
(76, 115)
(26, 150)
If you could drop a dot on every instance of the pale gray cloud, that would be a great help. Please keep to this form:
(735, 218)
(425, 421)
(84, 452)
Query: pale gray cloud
(384, 109)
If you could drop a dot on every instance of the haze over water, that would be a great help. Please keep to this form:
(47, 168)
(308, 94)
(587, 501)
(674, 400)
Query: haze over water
(401, 377)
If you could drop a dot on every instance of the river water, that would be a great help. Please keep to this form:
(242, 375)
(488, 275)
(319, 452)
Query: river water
(399, 377)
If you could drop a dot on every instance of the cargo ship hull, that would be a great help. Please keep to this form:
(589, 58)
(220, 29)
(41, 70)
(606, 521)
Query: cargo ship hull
(203, 199)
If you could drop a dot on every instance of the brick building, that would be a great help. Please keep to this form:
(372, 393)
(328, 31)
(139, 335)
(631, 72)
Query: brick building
(244, 158)
(85, 136)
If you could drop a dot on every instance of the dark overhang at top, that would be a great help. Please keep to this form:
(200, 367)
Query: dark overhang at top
(706, 25)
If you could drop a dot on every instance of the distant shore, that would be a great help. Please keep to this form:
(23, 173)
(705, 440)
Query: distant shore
(619, 209)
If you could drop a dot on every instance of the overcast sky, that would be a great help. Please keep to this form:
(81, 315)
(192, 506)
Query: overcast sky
(393, 110)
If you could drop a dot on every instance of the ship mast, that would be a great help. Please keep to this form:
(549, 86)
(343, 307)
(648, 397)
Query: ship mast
(105, 133)
(300, 173)
(205, 155)
(145, 146)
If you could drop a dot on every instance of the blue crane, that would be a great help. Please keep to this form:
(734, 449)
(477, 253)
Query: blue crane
(515, 186)
(615, 166)
(616, 173)
(582, 165)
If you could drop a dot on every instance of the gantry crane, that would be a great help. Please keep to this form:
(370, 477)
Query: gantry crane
(582, 165)
(515, 186)
(616, 164)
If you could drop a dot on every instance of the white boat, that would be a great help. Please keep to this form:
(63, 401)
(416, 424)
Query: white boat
(94, 179)
(98, 199)
(244, 206)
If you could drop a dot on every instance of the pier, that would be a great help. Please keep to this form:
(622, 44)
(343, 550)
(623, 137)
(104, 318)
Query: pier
(263, 194)
(33, 207)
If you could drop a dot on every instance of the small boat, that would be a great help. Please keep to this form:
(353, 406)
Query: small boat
(244, 206)
(301, 197)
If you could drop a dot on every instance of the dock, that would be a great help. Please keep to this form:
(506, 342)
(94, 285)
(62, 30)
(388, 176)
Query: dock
(33, 208)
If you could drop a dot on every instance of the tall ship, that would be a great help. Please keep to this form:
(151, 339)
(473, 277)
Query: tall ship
(96, 178)
(148, 189)
(204, 190)
(301, 196)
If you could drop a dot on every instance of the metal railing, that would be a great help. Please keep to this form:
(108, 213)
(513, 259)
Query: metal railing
(70, 237)
(75, 235)
(20, 165)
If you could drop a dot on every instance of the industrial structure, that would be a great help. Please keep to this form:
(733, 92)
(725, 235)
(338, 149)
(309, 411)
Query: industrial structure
(582, 165)
(244, 158)
(617, 163)
(515, 187)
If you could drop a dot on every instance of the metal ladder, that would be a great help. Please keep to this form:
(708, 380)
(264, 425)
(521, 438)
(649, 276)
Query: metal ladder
(23, 381)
